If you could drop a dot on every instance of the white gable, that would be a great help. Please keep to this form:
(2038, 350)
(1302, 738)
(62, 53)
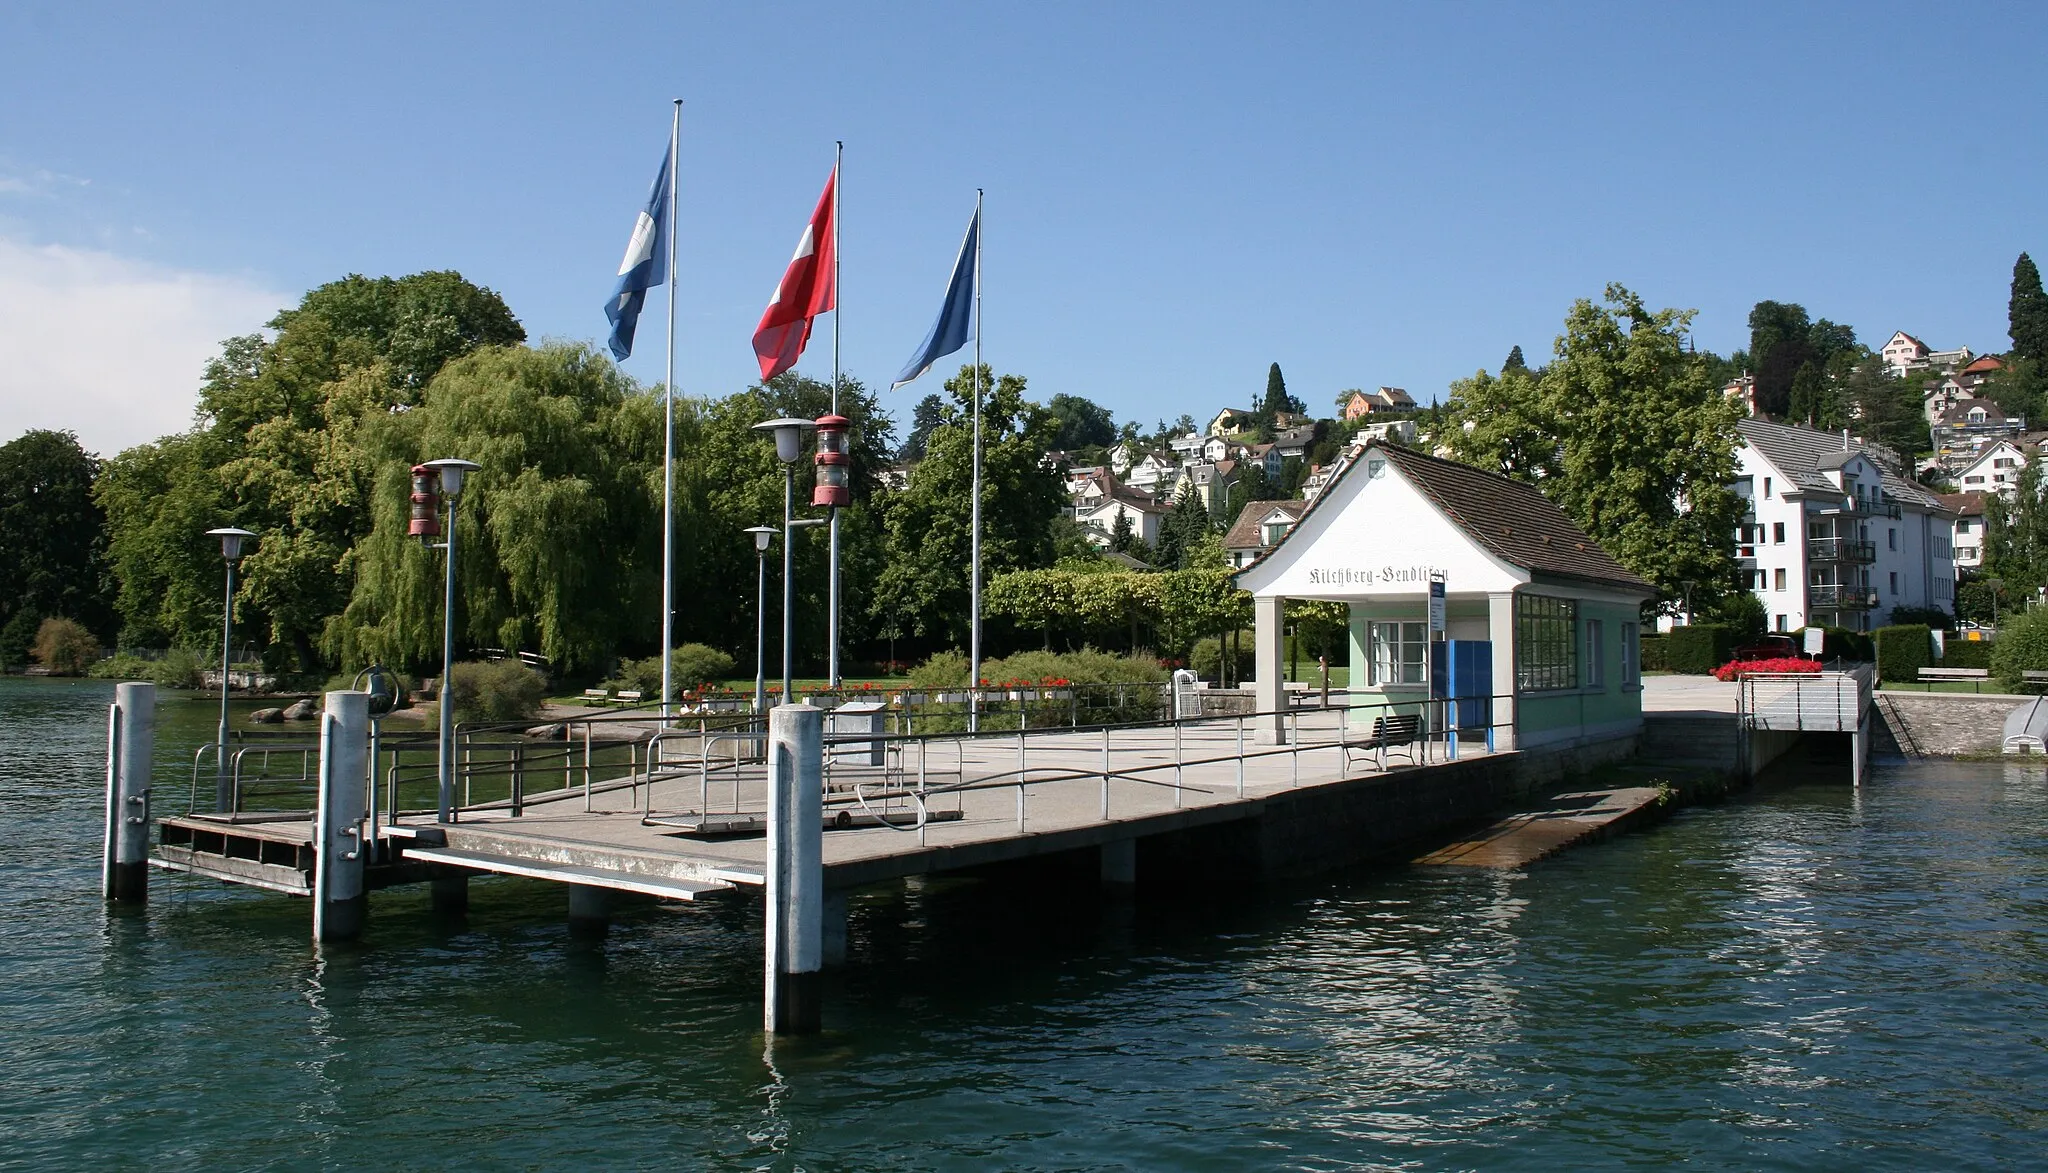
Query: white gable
(1376, 535)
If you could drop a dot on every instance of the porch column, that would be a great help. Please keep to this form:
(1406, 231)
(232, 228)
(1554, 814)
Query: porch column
(1269, 667)
(1500, 630)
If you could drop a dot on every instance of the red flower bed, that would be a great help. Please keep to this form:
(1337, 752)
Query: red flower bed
(1736, 669)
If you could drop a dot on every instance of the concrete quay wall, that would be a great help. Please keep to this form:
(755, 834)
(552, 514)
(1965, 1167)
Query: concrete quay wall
(1335, 825)
(1944, 724)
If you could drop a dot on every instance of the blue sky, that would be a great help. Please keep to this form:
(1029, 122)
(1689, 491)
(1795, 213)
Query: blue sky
(1178, 195)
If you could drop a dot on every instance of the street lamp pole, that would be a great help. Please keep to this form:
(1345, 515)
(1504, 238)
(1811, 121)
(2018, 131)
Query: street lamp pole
(231, 540)
(450, 471)
(789, 437)
(763, 534)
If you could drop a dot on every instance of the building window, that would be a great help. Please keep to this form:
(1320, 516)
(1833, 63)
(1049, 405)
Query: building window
(1400, 652)
(1595, 653)
(1781, 623)
(1778, 579)
(1778, 533)
(1895, 582)
(1767, 488)
(1630, 650)
(1891, 537)
(1546, 643)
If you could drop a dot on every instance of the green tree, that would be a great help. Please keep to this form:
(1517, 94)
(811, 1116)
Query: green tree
(2016, 535)
(1814, 401)
(1779, 344)
(1182, 528)
(2027, 311)
(53, 532)
(1625, 431)
(1251, 485)
(559, 532)
(1515, 361)
(1884, 407)
(1277, 399)
(275, 451)
(927, 528)
(927, 415)
(1083, 423)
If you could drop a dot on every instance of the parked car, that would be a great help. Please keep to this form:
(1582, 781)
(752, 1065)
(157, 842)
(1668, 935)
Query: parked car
(1768, 647)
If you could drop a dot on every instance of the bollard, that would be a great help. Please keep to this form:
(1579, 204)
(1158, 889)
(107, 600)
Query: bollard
(796, 868)
(339, 900)
(590, 910)
(131, 742)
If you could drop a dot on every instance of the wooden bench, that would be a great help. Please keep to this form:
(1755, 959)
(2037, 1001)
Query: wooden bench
(628, 696)
(2034, 676)
(601, 696)
(1976, 676)
(1396, 733)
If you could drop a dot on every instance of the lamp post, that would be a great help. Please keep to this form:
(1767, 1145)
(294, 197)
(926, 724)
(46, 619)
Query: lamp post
(763, 534)
(448, 472)
(231, 540)
(789, 439)
(832, 491)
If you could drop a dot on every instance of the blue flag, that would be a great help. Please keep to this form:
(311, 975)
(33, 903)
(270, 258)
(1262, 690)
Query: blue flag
(645, 266)
(956, 317)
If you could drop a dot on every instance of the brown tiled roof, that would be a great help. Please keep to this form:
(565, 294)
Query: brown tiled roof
(1962, 504)
(1244, 532)
(1513, 520)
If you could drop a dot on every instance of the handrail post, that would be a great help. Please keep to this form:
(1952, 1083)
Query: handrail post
(1105, 773)
(1176, 750)
(1240, 756)
(1020, 781)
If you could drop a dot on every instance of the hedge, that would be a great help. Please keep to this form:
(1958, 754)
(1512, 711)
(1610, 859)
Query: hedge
(1839, 643)
(1698, 648)
(1654, 655)
(1902, 650)
(1966, 653)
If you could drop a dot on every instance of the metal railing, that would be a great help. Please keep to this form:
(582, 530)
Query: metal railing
(1841, 550)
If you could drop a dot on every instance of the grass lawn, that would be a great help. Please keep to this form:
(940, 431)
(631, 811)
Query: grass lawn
(1963, 686)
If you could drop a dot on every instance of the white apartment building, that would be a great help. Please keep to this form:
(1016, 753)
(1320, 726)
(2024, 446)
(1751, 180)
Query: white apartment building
(1833, 538)
(1996, 469)
(1968, 510)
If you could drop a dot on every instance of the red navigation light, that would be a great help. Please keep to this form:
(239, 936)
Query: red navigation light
(832, 462)
(426, 504)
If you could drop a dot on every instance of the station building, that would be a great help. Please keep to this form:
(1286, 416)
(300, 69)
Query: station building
(1537, 617)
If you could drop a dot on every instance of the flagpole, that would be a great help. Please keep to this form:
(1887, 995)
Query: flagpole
(832, 602)
(668, 444)
(974, 558)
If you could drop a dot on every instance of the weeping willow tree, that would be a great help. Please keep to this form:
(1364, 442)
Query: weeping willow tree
(560, 532)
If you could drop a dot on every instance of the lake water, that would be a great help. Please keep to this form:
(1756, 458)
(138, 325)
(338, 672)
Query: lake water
(1804, 978)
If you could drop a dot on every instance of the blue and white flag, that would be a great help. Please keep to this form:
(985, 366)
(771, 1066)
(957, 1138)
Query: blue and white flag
(956, 317)
(645, 264)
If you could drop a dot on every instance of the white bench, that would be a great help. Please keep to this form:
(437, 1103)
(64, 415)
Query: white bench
(602, 696)
(628, 696)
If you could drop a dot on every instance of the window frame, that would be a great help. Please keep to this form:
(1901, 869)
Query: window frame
(1547, 644)
(1406, 633)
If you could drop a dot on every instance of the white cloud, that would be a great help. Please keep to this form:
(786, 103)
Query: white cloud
(108, 347)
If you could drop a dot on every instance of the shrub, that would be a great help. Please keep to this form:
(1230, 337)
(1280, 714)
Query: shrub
(180, 668)
(1699, 648)
(123, 666)
(1902, 650)
(506, 690)
(2022, 644)
(17, 636)
(1655, 653)
(65, 647)
(1087, 668)
(1966, 653)
(1735, 669)
(1207, 659)
(1933, 617)
(690, 667)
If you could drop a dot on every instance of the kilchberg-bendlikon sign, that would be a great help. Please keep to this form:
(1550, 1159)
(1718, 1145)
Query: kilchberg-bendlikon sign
(1366, 576)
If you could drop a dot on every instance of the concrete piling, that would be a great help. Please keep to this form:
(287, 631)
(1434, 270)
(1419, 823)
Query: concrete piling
(1120, 866)
(450, 895)
(339, 898)
(590, 910)
(795, 870)
(131, 743)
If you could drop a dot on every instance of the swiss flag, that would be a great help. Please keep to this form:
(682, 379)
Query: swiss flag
(807, 290)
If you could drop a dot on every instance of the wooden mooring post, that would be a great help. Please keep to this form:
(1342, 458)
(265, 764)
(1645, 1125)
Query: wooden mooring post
(795, 871)
(131, 743)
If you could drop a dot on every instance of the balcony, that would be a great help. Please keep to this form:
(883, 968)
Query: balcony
(1834, 597)
(1861, 507)
(1841, 550)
